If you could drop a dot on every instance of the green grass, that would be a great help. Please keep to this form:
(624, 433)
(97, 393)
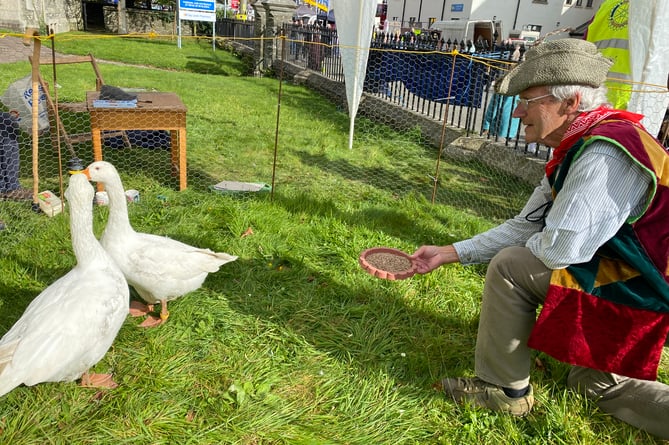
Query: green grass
(293, 343)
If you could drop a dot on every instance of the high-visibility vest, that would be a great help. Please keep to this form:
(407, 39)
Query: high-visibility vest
(608, 30)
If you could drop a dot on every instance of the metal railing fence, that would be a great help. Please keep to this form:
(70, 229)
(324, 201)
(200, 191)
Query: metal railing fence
(448, 81)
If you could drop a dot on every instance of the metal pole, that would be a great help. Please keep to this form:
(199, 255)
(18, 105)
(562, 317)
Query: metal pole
(122, 18)
(435, 179)
(278, 112)
(178, 25)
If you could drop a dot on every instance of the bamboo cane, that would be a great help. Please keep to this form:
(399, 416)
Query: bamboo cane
(31, 34)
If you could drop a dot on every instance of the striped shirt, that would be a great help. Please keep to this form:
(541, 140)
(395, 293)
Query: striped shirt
(603, 189)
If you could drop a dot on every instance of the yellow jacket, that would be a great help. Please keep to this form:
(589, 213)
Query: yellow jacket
(608, 30)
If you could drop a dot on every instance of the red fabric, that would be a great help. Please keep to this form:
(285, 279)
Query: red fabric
(581, 125)
(576, 328)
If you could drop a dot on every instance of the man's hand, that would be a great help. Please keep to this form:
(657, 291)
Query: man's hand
(428, 258)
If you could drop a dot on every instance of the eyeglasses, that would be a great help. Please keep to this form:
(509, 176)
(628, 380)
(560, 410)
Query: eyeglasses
(525, 103)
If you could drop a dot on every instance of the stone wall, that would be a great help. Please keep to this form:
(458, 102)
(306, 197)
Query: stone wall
(60, 15)
(146, 21)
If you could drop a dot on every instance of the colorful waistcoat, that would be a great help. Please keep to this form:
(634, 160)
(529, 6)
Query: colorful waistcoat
(612, 313)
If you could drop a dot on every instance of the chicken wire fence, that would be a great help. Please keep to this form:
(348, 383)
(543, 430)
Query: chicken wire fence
(81, 119)
(416, 101)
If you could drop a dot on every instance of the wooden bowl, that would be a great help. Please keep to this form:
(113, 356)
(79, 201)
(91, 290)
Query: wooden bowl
(387, 263)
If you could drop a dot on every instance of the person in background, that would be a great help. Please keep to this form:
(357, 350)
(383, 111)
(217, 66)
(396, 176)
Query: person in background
(609, 31)
(497, 120)
(10, 189)
(590, 247)
(296, 38)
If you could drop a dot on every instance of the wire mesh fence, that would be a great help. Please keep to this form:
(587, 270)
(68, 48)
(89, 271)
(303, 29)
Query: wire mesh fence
(153, 133)
(141, 131)
(445, 80)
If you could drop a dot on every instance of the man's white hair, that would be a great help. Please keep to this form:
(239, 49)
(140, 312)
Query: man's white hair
(591, 98)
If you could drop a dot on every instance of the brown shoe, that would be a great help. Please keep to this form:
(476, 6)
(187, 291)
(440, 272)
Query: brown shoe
(20, 194)
(485, 395)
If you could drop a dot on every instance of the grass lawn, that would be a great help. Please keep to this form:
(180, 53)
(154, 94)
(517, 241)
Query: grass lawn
(292, 343)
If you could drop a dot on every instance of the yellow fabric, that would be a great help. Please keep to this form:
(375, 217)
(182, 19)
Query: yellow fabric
(562, 278)
(609, 272)
(614, 271)
(659, 161)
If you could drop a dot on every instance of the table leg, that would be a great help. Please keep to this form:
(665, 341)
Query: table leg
(182, 159)
(96, 134)
(97, 144)
(174, 153)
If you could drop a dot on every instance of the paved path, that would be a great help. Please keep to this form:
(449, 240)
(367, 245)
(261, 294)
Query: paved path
(12, 49)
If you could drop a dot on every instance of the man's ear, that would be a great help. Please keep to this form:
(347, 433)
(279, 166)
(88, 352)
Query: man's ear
(570, 105)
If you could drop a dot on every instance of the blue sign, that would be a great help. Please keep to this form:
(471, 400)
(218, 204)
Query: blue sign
(457, 7)
(197, 5)
(197, 10)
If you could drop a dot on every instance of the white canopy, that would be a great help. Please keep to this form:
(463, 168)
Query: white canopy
(354, 30)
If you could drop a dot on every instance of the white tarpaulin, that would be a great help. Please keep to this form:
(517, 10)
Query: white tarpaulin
(355, 24)
(649, 53)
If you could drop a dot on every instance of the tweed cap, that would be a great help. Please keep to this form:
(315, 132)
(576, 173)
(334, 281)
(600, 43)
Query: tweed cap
(557, 62)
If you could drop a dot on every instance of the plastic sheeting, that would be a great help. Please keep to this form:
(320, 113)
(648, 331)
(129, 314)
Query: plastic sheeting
(649, 49)
(429, 76)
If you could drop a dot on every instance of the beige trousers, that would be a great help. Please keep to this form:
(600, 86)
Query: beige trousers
(516, 284)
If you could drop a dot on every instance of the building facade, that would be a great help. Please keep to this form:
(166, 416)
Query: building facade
(548, 15)
(58, 15)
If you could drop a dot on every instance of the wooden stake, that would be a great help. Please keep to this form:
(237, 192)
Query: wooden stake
(30, 35)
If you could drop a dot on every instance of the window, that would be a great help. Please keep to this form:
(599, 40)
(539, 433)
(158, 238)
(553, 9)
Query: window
(579, 3)
(567, 2)
(588, 4)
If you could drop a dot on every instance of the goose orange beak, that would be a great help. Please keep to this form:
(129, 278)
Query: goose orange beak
(84, 171)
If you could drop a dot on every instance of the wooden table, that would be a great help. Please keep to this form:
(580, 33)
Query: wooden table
(154, 111)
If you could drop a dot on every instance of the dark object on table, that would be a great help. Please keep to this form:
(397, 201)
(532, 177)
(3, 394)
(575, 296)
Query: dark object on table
(108, 92)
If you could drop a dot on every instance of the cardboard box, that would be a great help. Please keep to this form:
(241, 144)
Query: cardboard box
(49, 203)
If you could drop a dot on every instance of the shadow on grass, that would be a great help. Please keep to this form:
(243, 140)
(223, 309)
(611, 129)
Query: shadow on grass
(14, 303)
(213, 65)
(489, 199)
(370, 326)
(393, 223)
(15, 300)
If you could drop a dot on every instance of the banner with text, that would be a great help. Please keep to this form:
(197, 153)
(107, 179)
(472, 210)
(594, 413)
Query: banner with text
(198, 10)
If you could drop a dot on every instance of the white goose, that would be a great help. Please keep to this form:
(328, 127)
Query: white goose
(159, 268)
(58, 339)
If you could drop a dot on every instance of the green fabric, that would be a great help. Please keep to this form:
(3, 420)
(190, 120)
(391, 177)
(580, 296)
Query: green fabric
(650, 289)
